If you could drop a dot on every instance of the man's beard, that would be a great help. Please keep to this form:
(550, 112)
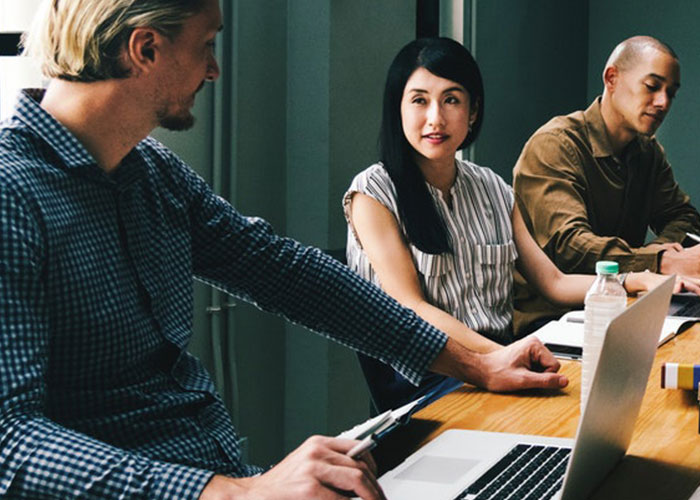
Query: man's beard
(176, 123)
(183, 121)
(180, 118)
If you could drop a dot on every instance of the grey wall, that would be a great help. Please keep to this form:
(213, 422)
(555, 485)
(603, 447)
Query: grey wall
(367, 35)
(533, 56)
(337, 59)
(258, 138)
(674, 23)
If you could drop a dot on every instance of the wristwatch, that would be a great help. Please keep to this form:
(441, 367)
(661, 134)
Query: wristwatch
(621, 279)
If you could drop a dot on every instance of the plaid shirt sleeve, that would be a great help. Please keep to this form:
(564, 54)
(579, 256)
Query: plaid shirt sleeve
(38, 457)
(246, 258)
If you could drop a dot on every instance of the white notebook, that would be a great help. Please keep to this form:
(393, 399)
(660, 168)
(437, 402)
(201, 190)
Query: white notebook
(564, 337)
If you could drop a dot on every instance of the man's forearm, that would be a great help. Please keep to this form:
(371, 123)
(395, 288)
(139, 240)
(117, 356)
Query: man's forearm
(578, 251)
(523, 364)
(44, 459)
(458, 362)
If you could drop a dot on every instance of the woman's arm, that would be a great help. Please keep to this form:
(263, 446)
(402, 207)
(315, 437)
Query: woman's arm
(557, 287)
(570, 289)
(380, 237)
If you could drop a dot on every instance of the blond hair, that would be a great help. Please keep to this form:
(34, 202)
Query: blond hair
(83, 40)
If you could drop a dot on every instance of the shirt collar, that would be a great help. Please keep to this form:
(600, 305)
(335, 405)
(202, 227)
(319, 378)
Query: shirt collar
(459, 181)
(598, 132)
(29, 111)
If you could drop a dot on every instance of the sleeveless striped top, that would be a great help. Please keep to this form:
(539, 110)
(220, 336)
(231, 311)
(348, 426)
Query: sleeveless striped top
(474, 282)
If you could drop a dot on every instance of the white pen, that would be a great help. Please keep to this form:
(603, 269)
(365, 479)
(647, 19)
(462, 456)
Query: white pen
(363, 446)
(693, 237)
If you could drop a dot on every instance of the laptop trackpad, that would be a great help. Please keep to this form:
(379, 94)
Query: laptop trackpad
(436, 469)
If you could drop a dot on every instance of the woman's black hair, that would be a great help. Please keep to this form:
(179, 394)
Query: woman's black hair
(447, 59)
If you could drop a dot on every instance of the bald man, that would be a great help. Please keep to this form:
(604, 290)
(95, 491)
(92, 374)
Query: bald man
(590, 184)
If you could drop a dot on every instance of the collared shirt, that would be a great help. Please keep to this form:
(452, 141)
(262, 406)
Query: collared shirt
(98, 396)
(473, 283)
(583, 204)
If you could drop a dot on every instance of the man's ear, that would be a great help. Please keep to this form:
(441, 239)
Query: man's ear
(142, 49)
(610, 77)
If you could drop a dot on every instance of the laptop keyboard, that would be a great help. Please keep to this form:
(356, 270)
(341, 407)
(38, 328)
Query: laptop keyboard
(526, 472)
(690, 309)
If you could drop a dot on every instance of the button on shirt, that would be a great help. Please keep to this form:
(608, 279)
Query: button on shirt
(472, 283)
(98, 396)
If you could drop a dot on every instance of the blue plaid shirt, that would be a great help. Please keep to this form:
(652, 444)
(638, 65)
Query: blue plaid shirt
(98, 396)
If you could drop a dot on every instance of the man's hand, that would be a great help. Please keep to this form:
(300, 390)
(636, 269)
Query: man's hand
(685, 261)
(672, 245)
(642, 282)
(524, 364)
(318, 469)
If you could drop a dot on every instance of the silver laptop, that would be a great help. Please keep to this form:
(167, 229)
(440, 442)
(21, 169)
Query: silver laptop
(462, 464)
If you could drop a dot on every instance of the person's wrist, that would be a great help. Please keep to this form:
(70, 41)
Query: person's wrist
(633, 283)
(662, 262)
(481, 374)
(225, 488)
(621, 279)
(457, 361)
(638, 282)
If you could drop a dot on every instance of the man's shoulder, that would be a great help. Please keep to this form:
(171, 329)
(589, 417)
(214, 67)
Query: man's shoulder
(14, 136)
(563, 125)
(562, 135)
(151, 148)
(168, 174)
(163, 160)
(21, 155)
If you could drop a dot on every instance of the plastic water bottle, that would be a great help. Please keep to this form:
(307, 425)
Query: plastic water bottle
(604, 301)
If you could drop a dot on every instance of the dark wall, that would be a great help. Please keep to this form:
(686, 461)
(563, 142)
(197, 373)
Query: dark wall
(534, 60)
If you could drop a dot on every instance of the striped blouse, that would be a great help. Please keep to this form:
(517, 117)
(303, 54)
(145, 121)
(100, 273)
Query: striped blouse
(474, 282)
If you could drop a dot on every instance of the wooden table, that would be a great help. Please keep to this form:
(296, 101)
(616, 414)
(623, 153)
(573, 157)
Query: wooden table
(663, 460)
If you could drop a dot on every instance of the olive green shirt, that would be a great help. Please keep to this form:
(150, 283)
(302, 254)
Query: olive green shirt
(583, 204)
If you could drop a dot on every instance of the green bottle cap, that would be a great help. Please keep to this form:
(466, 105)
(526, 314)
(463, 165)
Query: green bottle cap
(606, 267)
